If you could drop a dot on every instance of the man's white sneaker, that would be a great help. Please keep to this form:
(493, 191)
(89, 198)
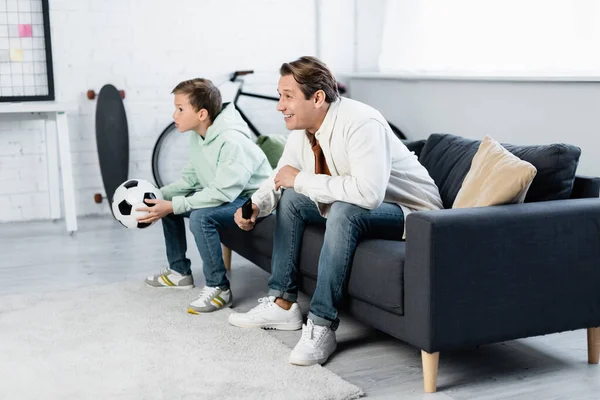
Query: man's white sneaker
(170, 279)
(268, 315)
(211, 299)
(315, 346)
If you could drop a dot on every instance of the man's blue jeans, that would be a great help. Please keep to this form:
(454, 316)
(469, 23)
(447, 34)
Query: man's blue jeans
(345, 226)
(204, 223)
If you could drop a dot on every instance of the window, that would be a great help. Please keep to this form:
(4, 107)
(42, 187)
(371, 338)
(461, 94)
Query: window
(492, 37)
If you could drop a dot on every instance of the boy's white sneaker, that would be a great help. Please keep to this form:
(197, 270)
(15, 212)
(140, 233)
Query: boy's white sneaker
(170, 279)
(268, 315)
(315, 346)
(211, 299)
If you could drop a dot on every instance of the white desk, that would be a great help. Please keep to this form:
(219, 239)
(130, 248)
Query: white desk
(56, 155)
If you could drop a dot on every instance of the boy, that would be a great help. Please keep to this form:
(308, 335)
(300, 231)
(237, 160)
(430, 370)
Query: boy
(225, 168)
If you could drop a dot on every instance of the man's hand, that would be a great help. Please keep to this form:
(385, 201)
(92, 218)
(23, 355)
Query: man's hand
(246, 224)
(157, 210)
(285, 177)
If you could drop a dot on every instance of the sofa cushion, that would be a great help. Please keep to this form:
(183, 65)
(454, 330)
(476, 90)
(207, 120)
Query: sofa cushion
(556, 166)
(272, 146)
(496, 177)
(377, 274)
(448, 159)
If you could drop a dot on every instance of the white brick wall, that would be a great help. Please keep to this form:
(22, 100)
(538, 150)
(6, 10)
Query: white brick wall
(146, 48)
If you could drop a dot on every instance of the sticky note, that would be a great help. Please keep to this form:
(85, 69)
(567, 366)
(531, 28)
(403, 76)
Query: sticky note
(4, 56)
(24, 30)
(16, 55)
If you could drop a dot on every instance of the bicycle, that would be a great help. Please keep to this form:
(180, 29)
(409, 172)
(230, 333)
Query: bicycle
(169, 154)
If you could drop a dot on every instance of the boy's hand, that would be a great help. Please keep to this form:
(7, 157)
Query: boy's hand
(158, 210)
(285, 177)
(246, 224)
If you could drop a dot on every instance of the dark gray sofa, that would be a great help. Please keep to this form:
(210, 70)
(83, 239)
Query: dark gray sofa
(466, 277)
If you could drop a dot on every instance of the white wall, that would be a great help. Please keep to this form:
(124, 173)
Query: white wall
(144, 47)
(336, 34)
(350, 34)
(369, 31)
(512, 112)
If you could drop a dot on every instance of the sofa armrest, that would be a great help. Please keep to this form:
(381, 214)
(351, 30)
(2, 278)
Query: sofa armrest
(489, 274)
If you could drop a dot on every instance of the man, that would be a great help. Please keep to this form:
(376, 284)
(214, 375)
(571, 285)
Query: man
(225, 168)
(343, 167)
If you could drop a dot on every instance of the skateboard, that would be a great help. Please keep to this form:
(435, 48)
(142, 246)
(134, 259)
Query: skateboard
(112, 139)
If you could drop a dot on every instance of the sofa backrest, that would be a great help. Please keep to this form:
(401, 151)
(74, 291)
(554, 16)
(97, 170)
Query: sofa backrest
(448, 159)
(415, 145)
(586, 187)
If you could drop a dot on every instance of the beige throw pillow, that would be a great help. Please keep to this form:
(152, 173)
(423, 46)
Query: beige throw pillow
(496, 177)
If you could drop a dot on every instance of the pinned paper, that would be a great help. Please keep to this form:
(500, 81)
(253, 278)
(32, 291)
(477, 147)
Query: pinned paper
(25, 30)
(16, 55)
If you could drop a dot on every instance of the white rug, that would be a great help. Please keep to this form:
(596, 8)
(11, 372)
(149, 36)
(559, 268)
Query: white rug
(127, 341)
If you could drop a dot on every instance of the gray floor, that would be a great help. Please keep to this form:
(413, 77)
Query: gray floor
(41, 256)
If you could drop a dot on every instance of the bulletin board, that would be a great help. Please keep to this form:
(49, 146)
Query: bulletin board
(25, 51)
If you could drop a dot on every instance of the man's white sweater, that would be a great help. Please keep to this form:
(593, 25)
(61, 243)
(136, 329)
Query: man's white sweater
(368, 164)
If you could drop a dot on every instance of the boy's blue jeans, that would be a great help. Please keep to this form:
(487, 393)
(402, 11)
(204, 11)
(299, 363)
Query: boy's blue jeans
(204, 223)
(345, 225)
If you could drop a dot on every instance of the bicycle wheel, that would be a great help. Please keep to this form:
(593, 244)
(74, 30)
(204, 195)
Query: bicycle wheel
(170, 155)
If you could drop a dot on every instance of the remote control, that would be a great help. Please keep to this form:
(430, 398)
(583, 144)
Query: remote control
(247, 209)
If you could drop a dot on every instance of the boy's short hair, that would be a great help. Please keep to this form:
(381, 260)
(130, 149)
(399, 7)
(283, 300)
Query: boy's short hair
(312, 74)
(202, 93)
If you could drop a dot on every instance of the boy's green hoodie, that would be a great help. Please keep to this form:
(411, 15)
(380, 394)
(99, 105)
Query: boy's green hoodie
(222, 166)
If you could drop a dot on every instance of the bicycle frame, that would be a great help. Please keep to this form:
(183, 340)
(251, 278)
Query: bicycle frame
(240, 92)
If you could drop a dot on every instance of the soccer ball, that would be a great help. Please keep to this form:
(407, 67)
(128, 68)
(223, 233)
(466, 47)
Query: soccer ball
(131, 195)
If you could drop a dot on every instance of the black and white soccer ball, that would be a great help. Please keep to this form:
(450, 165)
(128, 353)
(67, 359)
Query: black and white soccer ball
(131, 195)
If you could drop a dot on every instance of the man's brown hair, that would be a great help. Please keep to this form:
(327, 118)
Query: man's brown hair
(312, 74)
(202, 93)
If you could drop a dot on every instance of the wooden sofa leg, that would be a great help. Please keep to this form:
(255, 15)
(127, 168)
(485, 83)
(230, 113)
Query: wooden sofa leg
(226, 257)
(430, 370)
(593, 337)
